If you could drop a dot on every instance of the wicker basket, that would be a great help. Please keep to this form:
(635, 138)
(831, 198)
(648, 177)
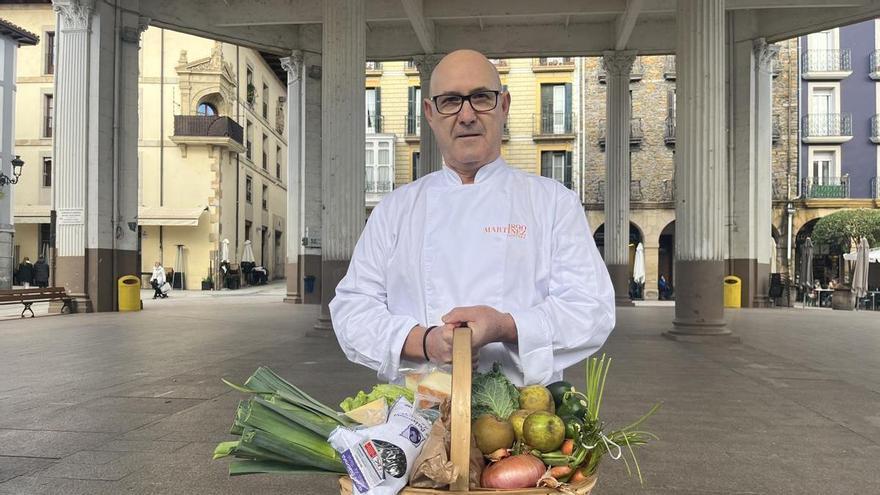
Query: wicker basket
(460, 442)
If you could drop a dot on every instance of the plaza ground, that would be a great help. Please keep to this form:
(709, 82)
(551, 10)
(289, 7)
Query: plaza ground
(133, 403)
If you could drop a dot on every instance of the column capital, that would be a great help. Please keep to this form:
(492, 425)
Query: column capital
(293, 65)
(618, 63)
(426, 63)
(76, 14)
(765, 54)
(132, 34)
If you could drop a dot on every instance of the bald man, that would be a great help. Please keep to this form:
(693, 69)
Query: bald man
(478, 242)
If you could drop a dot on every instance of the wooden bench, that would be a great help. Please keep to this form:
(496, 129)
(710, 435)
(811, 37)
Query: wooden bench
(33, 295)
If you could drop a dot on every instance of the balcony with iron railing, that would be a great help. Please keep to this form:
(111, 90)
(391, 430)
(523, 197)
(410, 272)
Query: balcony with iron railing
(373, 68)
(776, 129)
(825, 187)
(551, 64)
(596, 194)
(669, 131)
(826, 128)
(826, 64)
(413, 127)
(874, 65)
(669, 67)
(500, 64)
(374, 123)
(635, 74)
(636, 133)
(875, 129)
(554, 125)
(378, 187)
(410, 68)
(208, 129)
(780, 189)
(668, 190)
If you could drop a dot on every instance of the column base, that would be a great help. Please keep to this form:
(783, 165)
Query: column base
(755, 278)
(291, 273)
(620, 280)
(699, 300)
(332, 271)
(719, 338)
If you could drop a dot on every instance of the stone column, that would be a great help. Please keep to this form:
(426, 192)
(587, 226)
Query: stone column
(430, 159)
(294, 67)
(310, 202)
(700, 170)
(7, 154)
(652, 259)
(71, 152)
(343, 138)
(96, 150)
(751, 86)
(617, 171)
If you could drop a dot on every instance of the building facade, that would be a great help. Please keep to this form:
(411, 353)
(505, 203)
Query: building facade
(556, 128)
(212, 151)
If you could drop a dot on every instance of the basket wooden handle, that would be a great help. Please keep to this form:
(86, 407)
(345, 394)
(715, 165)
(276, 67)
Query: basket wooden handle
(460, 415)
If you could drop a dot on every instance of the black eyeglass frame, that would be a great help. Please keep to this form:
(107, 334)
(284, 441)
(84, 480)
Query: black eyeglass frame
(467, 98)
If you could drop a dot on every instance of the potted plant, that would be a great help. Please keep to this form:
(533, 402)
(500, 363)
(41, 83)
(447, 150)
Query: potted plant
(207, 283)
(843, 229)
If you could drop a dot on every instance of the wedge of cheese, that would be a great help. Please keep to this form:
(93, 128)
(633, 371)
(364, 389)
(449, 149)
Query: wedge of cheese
(433, 388)
(370, 414)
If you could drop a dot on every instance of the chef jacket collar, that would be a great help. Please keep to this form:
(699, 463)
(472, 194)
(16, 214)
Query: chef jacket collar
(485, 172)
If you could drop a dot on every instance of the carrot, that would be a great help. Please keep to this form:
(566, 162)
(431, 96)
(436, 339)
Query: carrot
(578, 476)
(567, 446)
(560, 471)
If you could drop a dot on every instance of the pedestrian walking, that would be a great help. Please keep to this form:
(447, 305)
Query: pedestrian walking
(41, 273)
(26, 273)
(157, 280)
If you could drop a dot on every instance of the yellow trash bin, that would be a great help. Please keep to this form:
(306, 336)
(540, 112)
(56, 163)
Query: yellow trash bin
(129, 293)
(732, 292)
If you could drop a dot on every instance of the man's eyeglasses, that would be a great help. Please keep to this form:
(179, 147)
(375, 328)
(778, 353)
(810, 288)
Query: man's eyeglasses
(481, 101)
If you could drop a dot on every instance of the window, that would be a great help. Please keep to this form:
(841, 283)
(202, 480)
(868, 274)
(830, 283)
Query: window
(265, 101)
(278, 162)
(556, 108)
(249, 189)
(823, 168)
(50, 52)
(47, 172)
(48, 111)
(206, 109)
(557, 165)
(415, 165)
(265, 197)
(374, 110)
(414, 115)
(378, 166)
(247, 230)
(249, 138)
(265, 151)
(822, 101)
(250, 88)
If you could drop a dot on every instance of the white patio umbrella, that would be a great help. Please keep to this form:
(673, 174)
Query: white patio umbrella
(860, 272)
(248, 254)
(224, 250)
(773, 250)
(639, 264)
(873, 255)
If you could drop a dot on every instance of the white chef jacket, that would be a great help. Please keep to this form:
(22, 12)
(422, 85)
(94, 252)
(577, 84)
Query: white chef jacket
(517, 242)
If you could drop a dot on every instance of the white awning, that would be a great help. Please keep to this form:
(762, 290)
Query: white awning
(181, 217)
(32, 214)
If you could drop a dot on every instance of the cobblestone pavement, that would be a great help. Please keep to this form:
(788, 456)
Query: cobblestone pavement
(132, 403)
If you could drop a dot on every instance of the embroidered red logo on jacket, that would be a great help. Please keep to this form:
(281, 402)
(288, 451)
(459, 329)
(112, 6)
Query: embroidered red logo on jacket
(516, 230)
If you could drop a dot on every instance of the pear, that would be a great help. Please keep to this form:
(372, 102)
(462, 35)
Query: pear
(517, 419)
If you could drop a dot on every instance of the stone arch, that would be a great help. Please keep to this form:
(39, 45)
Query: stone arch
(212, 97)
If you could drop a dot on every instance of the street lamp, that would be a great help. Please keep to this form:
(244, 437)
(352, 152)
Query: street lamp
(17, 165)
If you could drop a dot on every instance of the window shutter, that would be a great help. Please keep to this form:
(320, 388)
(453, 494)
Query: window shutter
(546, 117)
(378, 125)
(568, 107)
(547, 163)
(568, 160)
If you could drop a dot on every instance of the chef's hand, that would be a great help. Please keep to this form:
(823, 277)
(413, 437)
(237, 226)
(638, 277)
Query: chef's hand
(488, 325)
(439, 346)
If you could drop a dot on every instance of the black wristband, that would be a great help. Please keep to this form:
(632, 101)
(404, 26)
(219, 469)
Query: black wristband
(425, 342)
